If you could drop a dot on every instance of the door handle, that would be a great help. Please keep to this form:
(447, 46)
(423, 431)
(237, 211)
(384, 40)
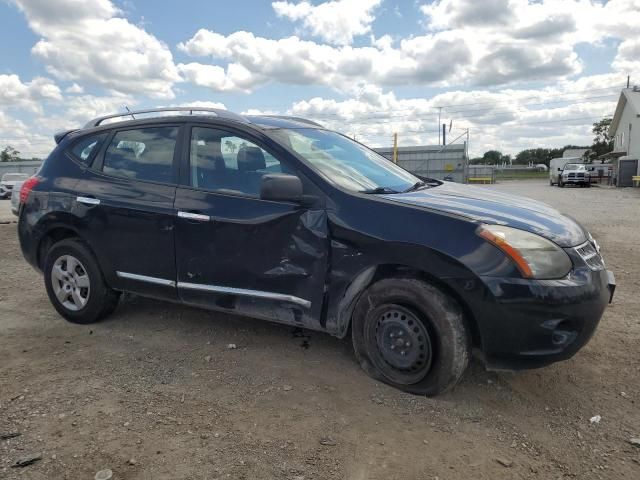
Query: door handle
(88, 201)
(199, 217)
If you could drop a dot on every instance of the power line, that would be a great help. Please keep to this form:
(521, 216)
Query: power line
(377, 133)
(493, 102)
(533, 96)
(423, 115)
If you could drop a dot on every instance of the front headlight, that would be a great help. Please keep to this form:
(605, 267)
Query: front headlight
(535, 256)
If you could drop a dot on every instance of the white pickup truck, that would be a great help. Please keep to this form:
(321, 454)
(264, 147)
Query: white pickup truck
(569, 171)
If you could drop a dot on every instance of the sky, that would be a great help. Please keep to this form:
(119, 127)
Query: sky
(515, 74)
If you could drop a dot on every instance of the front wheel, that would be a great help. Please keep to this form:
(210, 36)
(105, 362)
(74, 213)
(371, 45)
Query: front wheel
(411, 335)
(560, 184)
(75, 284)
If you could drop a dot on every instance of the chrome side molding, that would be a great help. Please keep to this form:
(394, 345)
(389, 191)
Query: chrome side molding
(145, 278)
(88, 200)
(194, 216)
(282, 297)
(246, 293)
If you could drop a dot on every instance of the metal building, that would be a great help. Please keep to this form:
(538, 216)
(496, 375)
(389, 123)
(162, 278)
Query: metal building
(28, 166)
(434, 161)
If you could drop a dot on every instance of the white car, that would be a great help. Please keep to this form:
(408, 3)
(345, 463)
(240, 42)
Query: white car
(8, 182)
(15, 198)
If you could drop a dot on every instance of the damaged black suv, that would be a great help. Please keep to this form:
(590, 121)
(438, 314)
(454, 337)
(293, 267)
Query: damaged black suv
(281, 219)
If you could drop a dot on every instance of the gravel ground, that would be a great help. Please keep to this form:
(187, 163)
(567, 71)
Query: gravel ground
(5, 212)
(155, 392)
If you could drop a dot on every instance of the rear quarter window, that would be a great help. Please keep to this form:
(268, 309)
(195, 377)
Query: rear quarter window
(85, 149)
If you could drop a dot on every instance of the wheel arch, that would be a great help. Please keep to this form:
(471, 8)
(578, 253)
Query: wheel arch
(373, 274)
(52, 235)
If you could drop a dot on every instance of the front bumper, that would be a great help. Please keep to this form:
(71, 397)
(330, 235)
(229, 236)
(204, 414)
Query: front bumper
(533, 323)
(576, 180)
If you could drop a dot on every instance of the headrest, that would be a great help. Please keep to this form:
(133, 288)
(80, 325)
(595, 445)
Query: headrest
(210, 155)
(211, 147)
(251, 159)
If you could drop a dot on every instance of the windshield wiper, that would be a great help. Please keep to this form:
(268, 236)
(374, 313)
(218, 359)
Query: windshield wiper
(379, 190)
(415, 186)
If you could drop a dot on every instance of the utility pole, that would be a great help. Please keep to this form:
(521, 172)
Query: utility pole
(395, 148)
(439, 120)
(628, 80)
(444, 134)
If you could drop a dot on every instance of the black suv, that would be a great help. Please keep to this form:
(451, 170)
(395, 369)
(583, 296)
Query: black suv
(281, 219)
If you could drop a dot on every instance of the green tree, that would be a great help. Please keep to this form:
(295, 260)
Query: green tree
(230, 146)
(535, 156)
(602, 142)
(9, 154)
(492, 156)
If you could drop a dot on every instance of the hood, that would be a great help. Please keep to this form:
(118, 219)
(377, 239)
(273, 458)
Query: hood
(491, 207)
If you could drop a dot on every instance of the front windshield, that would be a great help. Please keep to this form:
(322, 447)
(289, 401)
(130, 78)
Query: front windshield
(573, 166)
(346, 163)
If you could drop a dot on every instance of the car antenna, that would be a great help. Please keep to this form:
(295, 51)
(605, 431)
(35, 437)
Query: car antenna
(127, 108)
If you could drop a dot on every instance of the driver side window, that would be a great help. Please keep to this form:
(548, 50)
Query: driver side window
(221, 161)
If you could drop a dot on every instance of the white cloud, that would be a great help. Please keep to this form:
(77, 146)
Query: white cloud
(86, 41)
(467, 43)
(628, 57)
(203, 104)
(75, 88)
(336, 21)
(255, 61)
(29, 95)
(522, 40)
(15, 133)
(447, 14)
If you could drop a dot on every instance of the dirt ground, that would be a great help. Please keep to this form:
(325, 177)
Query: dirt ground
(155, 392)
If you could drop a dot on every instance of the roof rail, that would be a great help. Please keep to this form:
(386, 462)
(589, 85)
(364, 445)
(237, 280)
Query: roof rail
(296, 119)
(219, 112)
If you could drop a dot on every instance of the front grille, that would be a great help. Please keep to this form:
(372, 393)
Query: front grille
(589, 253)
(9, 187)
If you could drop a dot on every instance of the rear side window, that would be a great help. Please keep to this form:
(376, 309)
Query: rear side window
(142, 154)
(84, 149)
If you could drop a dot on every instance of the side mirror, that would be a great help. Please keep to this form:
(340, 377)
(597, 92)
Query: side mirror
(559, 169)
(281, 187)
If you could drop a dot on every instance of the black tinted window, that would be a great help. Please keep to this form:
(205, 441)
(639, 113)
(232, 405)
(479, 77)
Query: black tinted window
(143, 154)
(226, 162)
(85, 148)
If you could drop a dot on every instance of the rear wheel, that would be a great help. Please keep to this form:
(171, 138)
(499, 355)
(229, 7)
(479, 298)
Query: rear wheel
(75, 284)
(411, 335)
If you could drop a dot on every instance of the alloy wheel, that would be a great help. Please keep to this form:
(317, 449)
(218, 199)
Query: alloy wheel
(70, 281)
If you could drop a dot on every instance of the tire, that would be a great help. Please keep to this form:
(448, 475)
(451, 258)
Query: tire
(434, 338)
(560, 184)
(588, 185)
(76, 287)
